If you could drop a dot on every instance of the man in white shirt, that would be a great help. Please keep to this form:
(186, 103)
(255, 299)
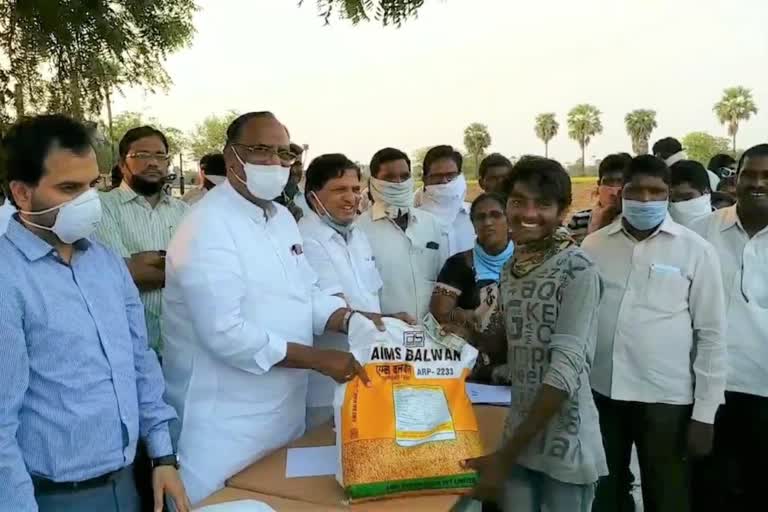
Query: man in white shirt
(444, 191)
(740, 237)
(240, 308)
(407, 242)
(690, 197)
(659, 367)
(671, 151)
(6, 212)
(340, 255)
(212, 173)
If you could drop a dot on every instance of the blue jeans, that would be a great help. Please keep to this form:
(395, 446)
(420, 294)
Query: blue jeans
(118, 495)
(531, 491)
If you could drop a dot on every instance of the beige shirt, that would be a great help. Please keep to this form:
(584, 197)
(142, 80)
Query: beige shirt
(408, 261)
(130, 225)
(744, 263)
(662, 318)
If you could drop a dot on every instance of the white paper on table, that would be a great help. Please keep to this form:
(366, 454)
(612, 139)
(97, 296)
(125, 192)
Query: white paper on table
(313, 461)
(485, 394)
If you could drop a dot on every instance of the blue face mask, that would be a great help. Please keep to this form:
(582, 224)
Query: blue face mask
(343, 229)
(488, 266)
(644, 215)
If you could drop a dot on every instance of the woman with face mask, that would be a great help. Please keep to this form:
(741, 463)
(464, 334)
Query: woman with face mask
(689, 193)
(467, 290)
(552, 454)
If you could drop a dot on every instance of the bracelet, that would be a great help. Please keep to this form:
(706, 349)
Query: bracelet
(347, 317)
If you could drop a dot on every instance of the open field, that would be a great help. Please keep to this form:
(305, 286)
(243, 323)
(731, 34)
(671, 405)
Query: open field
(582, 192)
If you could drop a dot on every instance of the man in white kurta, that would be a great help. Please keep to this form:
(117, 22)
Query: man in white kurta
(240, 308)
(341, 256)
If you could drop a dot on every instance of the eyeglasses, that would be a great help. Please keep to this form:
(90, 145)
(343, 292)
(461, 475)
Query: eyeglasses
(147, 157)
(262, 152)
(727, 172)
(493, 215)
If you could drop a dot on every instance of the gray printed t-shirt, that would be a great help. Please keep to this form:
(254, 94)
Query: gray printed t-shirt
(551, 325)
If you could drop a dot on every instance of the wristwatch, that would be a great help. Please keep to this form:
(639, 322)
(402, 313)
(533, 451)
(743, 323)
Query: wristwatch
(167, 460)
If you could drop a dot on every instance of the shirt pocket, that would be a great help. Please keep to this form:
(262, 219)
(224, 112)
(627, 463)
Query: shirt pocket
(371, 278)
(667, 289)
(425, 262)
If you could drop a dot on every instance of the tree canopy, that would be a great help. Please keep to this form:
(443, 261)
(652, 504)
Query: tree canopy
(210, 135)
(640, 124)
(701, 146)
(546, 128)
(68, 56)
(735, 106)
(583, 124)
(477, 139)
(387, 12)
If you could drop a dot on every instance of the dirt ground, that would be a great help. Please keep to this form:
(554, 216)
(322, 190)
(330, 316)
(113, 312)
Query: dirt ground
(582, 195)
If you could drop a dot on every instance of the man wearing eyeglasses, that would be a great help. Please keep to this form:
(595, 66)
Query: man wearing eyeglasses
(734, 478)
(240, 310)
(139, 218)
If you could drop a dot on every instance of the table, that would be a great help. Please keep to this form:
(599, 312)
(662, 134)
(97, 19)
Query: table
(267, 476)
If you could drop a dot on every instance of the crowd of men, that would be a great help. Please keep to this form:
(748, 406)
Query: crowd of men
(151, 347)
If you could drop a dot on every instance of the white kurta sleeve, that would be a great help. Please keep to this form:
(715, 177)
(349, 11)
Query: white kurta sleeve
(213, 287)
(709, 322)
(325, 302)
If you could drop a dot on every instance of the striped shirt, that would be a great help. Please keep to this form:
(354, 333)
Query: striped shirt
(78, 383)
(579, 224)
(130, 225)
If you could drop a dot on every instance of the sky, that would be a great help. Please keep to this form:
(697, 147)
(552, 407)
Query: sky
(356, 89)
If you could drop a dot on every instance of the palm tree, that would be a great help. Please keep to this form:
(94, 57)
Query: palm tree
(640, 124)
(583, 124)
(735, 106)
(546, 128)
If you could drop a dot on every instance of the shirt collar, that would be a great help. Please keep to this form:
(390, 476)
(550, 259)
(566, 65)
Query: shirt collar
(318, 227)
(668, 226)
(32, 246)
(253, 211)
(730, 218)
(127, 194)
(379, 211)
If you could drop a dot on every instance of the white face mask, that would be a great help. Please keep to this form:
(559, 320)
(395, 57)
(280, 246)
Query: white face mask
(264, 181)
(396, 197)
(684, 212)
(216, 180)
(77, 219)
(445, 200)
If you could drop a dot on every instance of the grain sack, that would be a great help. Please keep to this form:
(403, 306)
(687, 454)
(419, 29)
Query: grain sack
(409, 431)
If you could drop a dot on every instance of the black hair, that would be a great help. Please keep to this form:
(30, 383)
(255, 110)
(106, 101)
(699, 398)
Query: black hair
(27, 143)
(666, 147)
(486, 196)
(324, 168)
(387, 155)
(116, 176)
(213, 164)
(236, 126)
(722, 196)
(647, 165)
(493, 160)
(615, 163)
(142, 132)
(754, 151)
(545, 175)
(719, 161)
(690, 171)
(439, 153)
